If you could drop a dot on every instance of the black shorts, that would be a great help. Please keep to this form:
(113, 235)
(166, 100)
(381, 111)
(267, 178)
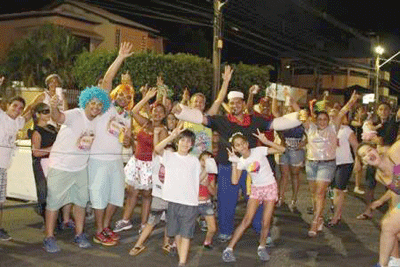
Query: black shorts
(342, 176)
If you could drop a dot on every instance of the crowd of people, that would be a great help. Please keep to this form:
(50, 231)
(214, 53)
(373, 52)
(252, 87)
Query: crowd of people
(186, 158)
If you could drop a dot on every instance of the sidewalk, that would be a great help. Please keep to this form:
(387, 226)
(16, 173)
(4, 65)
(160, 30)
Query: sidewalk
(352, 243)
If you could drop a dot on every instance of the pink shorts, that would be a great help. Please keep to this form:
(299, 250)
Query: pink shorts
(265, 193)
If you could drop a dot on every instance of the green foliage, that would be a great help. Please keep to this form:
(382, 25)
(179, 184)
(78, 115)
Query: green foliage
(48, 49)
(178, 70)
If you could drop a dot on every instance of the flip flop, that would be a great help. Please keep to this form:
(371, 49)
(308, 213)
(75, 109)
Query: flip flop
(364, 216)
(137, 250)
(166, 248)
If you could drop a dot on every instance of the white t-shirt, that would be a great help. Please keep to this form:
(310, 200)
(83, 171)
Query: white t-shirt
(158, 176)
(70, 151)
(343, 152)
(182, 178)
(257, 165)
(8, 133)
(109, 129)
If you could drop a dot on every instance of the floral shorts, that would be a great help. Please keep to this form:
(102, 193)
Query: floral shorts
(265, 193)
(138, 174)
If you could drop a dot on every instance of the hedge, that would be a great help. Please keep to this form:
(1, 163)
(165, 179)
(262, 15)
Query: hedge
(179, 71)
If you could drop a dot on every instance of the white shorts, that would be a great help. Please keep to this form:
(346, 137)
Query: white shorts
(139, 174)
(106, 183)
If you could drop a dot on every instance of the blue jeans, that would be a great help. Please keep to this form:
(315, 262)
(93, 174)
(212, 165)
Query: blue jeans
(227, 196)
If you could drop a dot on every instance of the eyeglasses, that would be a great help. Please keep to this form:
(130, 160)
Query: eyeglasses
(45, 111)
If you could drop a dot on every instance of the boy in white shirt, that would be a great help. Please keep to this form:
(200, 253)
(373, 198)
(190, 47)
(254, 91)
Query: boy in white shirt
(181, 189)
(11, 121)
(68, 178)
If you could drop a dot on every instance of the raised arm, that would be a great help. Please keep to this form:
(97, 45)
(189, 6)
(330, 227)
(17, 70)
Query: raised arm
(159, 148)
(338, 120)
(254, 89)
(138, 107)
(226, 76)
(27, 113)
(274, 147)
(55, 113)
(125, 51)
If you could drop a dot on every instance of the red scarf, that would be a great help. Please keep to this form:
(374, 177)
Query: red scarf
(245, 122)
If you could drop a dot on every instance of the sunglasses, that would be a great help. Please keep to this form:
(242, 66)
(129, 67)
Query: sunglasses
(45, 111)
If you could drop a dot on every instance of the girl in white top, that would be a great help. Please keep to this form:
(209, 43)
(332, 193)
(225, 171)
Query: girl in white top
(321, 155)
(347, 140)
(264, 189)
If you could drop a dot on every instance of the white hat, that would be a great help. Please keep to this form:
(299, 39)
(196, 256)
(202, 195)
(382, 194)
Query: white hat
(235, 94)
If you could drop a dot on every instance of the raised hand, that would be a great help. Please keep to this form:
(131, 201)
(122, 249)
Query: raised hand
(232, 155)
(261, 136)
(151, 93)
(125, 50)
(254, 89)
(227, 75)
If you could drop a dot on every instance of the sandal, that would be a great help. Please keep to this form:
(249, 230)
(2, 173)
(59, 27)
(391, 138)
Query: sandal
(137, 250)
(166, 248)
(364, 216)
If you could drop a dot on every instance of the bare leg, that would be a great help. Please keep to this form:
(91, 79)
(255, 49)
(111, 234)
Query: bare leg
(313, 188)
(266, 221)
(388, 238)
(252, 206)
(50, 222)
(79, 214)
(66, 212)
(146, 203)
(285, 173)
(183, 245)
(109, 212)
(211, 228)
(144, 235)
(130, 202)
(99, 215)
(295, 174)
(338, 202)
(321, 187)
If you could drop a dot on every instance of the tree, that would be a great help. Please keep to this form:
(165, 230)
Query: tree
(48, 49)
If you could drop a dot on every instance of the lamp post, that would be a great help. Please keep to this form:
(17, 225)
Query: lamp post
(379, 51)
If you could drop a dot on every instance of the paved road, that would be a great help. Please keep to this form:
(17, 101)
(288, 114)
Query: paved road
(352, 243)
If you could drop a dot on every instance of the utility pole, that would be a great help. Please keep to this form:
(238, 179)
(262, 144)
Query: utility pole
(217, 46)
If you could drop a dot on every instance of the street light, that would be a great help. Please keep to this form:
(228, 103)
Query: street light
(379, 50)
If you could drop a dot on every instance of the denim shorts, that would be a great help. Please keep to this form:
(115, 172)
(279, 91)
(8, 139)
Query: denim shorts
(318, 170)
(206, 209)
(292, 158)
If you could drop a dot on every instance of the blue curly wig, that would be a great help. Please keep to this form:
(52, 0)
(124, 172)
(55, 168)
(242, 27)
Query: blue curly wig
(94, 92)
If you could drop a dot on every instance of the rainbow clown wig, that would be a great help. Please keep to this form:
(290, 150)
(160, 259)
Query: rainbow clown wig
(94, 92)
(126, 89)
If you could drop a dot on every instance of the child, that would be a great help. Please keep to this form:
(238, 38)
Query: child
(158, 206)
(206, 191)
(11, 121)
(263, 190)
(181, 189)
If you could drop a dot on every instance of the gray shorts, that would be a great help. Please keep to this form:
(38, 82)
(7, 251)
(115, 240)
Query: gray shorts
(206, 209)
(181, 220)
(292, 158)
(158, 207)
(320, 170)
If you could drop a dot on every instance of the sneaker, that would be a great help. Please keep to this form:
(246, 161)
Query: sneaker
(82, 241)
(394, 262)
(50, 245)
(4, 236)
(110, 233)
(224, 238)
(104, 239)
(263, 254)
(269, 243)
(357, 190)
(122, 225)
(227, 255)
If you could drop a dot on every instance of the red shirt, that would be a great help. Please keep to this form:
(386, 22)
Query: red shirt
(144, 146)
(203, 190)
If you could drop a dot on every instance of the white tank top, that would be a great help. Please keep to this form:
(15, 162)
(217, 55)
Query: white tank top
(321, 143)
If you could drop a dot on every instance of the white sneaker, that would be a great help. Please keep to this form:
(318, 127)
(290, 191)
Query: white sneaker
(357, 190)
(394, 262)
